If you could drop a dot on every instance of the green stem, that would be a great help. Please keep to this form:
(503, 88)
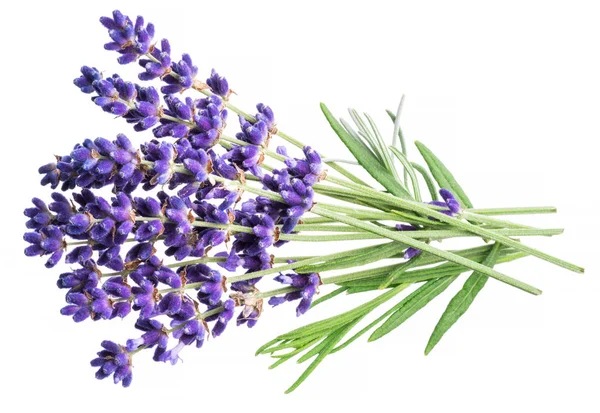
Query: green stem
(484, 219)
(513, 211)
(298, 264)
(400, 237)
(484, 233)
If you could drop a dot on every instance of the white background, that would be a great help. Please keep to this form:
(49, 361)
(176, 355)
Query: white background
(505, 92)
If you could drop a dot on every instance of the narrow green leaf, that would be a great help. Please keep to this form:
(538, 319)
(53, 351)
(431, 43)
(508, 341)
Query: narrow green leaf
(420, 275)
(331, 323)
(294, 343)
(398, 135)
(413, 303)
(367, 327)
(408, 169)
(428, 180)
(287, 356)
(262, 349)
(364, 134)
(378, 252)
(461, 301)
(400, 270)
(389, 163)
(329, 344)
(475, 254)
(443, 176)
(314, 351)
(366, 158)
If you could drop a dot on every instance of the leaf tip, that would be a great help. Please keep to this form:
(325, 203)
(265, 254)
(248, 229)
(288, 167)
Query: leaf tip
(373, 337)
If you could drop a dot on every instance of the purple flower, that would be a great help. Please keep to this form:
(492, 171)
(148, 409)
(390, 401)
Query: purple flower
(223, 317)
(117, 287)
(198, 165)
(115, 360)
(78, 306)
(48, 241)
(155, 334)
(140, 253)
(109, 97)
(39, 215)
(51, 174)
(310, 170)
(264, 233)
(265, 114)
(252, 264)
(147, 111)
(213, 283)
(111, 258)
(452, 205)
(451, 202)
(79, 254)
(189, 332)
(307, 285)
(218, 84)
(210, 119)
(245, 157)
(160, 63)
(223, 168)
(88, 76)
(181, 76)
(145, 294)
(254, 133)
(411, 252)
(81, 279)
(149, 230)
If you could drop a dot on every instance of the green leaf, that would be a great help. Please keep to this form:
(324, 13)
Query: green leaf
(376, 253)
(334, 322)
(428, 180)
(366, 157)
(408, 169)
(392, 116)
(368, 327)
(364, 135)
(388, 162)
(443, 176)
(398, 135)
(413, 303)
(461, 301)
(325, 348)
(420, 275)
(400, 270)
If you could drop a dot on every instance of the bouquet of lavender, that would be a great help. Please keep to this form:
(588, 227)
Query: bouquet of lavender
(195, 218)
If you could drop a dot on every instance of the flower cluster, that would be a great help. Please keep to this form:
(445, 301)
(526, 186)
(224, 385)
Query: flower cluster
(144, 240)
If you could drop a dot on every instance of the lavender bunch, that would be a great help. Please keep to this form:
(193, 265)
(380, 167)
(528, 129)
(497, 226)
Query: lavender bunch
(180, 232)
